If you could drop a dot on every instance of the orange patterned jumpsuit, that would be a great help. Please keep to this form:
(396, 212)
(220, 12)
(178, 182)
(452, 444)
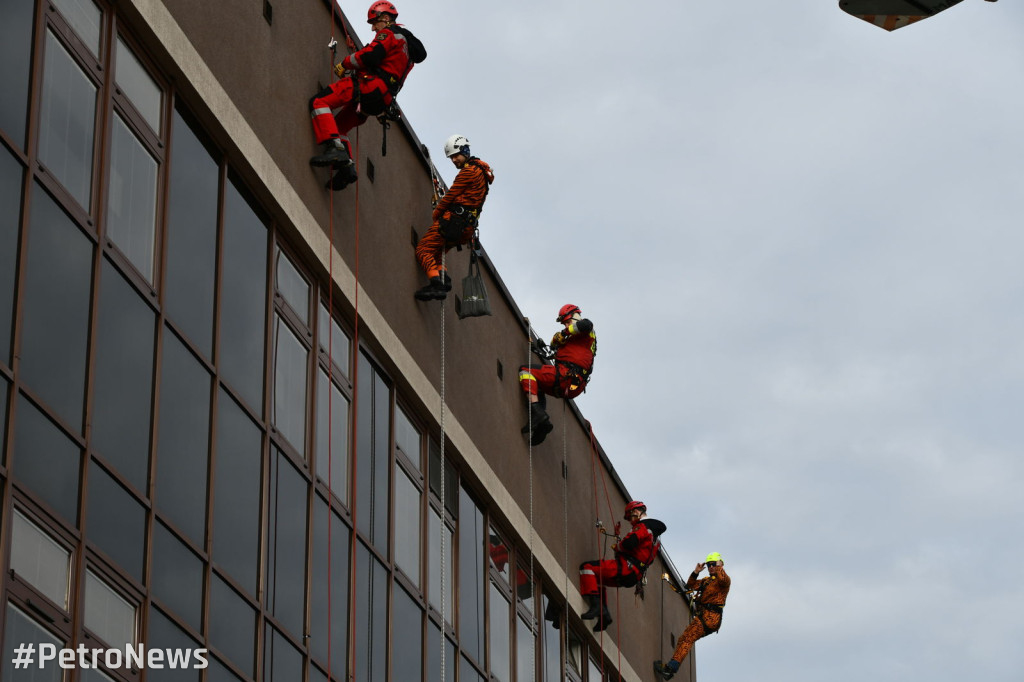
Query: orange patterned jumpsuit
(711, 594)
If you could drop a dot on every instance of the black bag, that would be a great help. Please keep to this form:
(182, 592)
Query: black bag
(417, 53)
(452, 225)
(474, 301)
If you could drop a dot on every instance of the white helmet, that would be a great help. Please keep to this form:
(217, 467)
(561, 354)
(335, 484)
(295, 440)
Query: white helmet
(456, 144)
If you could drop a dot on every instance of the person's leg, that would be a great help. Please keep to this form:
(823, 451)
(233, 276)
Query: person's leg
(429, 251)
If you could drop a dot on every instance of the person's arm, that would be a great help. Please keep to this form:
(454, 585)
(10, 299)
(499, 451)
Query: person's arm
(583, 326)
(370, 56)
(463, 181)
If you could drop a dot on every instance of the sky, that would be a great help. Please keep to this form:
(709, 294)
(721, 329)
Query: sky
(799, 238)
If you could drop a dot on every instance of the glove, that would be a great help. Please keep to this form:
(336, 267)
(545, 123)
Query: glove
(339, 69)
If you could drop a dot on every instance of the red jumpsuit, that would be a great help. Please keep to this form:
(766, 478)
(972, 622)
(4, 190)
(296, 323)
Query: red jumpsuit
(711, 594)
(380, 69)
(469, 190)
(574, 361)
(633, 554)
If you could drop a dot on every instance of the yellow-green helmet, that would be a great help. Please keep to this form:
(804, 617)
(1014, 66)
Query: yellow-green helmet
(714, 556)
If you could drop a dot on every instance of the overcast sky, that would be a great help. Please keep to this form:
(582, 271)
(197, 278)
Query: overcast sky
(800, 239)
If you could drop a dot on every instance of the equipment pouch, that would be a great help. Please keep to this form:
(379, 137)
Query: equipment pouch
(453, 223)
(474, 301)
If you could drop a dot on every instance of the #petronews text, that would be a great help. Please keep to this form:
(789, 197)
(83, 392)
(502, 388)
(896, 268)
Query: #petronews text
(132, 657)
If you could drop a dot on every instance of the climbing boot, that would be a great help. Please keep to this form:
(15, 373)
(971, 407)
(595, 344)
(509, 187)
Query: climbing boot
(554, 614)
(433, 291)
(446, 281)
(540, 422)
(665, 671)
(345, 176)
(335, 155)
(604, 621)
(594, 602)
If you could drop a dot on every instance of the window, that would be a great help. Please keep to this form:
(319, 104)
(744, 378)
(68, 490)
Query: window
(40, 560)
(286, 544)
(282, 662)
(131, 197)
(407, 438)
(525, 670)
(289, 385)
(435, 541)
(115, 522)
(406, 638)
(47, 461)
(499, 554)
(451, 485)
(164, 634)
(551, 639)
(10, 217)
(374, 455)
(471, 576)
(292, 287)
(84, 17)
(176, 576)
(20, 629)
(138, 85)
(371, 595)
(332, 440)
(232, 625)
(16, 56)
(107, 614)
(333, 604)
(333, 341)
(499, 635)
(574, 651)
(407, 526)
(451, 659)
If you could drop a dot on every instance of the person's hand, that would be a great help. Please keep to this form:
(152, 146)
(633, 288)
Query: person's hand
(700, 567)
(339, 69)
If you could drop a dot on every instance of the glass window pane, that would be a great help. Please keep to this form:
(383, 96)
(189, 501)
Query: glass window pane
(371, 596)
(236, 500)
(218, 672)
(281, 661)
(574, 651)
(243, 298)
(4, 387)
(46, 461)
(551, 637)
(407, 437)
(131, 198)
(138, 85)
(183, 434)
(374, 455)
(435, 540)
(467, 673)
(594, 672)
(123, 384)
(94, 675)
(67, 120)
(471, 576)
(451, 485)
(289, 385)
(333, 340)
(499, 634)
(525, 671)
(232, 625)
(83, 16)
(116, 522)
(524, 586)
(11, 174)
(15, 55)
(164, 634)
(334, 603)
(333, 465)
(499, 554)
(176, 576)
(406, 638)
(286, 545)
(407, 526)
(292, 287)
(451, 659)
(191, 266)
(107, 613)
(20, 629)
(40, 560)
(55, 320)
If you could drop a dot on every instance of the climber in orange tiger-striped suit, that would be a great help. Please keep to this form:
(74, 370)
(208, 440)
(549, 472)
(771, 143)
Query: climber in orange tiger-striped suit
(456, 216)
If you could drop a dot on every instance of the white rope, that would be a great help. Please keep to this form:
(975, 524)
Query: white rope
(443, 500)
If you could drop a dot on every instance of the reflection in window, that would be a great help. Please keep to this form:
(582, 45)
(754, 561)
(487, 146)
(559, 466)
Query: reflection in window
(594, 672)
(20, 629)
(164, 634)
(191, 237)
(407, 437)
(373, 453)
(499, 635)
(574, 651)
(243, 298)
(524, 586)
(286, 544)
(335, 604)
(232, 625)
(552, 643)
(107, 613)
(177, 576)
(55, 317)
(524, 652)
(292, 287)
(84, 17)
(123, 383)
(131, 198)
(471, 576)
(406, 638)
(451, 660)
(39, 560)
(337, 345)
(16, 56)
(435, 568)
(281, 661)
(332, 463)
(67, 121)
(183, 433)
(236, 500)
(45, 460)
(371, 596)
(138, 85)
(10, 216)
(407, 526)
(289, 385)
(498, 553)
(115, 521)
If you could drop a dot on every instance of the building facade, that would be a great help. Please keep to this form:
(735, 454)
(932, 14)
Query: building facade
(220, 407)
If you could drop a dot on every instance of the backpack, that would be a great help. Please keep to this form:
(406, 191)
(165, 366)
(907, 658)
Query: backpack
(417, 53)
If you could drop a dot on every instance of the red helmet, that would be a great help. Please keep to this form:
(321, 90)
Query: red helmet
(381, 7)
(567, 311)
(632, 506)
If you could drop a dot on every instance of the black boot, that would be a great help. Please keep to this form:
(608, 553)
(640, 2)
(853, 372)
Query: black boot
(335, 155)
(604, 621)
(433, 291)
(554, 614)
(663, 671)
(344, 177)
(540, 422)
(594, 602)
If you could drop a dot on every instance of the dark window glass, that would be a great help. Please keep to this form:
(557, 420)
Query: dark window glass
(407, 437)
(407, 526)
(123, 383)
(467, 673)
(10, 217)
(131, 198)
(183, 436)
(20, 629)
(451, 486)
(15, 55)
(281, 660)
(115, 521)
(292, 287)
(374, 430)
(55, 321)
(406, 638)
(176, 576)
(371, 634)
(46, 461)
(164, 634)
(333, 468)
(524, 652)
(333, 341)
(218, 672)
(289, 385)
(236, 500)
(471, 577)
(232, 625)
(451, 659)
(138, 85)
(335, 604)
(243, 298)
(434, 570)
(66, 122)
(4, 385)
(574, 651)
(551, 639)
(84, 17)
(499, 635)
(286, 545)
(524, 585)
(94, 675)
(191, 267)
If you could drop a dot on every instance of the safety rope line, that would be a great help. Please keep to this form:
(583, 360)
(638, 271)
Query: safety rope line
(332, 45)
(565, 530)
(604, 538)
(443, 273)
(533, 640)
(353, 546)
